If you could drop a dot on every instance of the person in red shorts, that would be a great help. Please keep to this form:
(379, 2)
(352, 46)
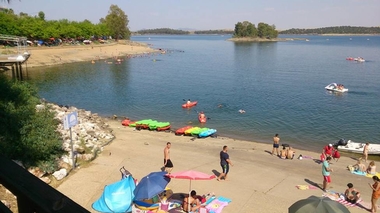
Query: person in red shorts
(326, 173)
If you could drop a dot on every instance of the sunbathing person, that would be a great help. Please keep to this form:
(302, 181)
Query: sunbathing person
(359, 166)
(195, 204)
(283, 153)
(351, 194)
(371, 168)
(290, 153)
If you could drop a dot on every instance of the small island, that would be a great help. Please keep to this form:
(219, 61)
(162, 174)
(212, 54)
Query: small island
(246, 31)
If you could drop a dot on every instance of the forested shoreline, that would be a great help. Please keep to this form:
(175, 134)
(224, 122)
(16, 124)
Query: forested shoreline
(333, 30)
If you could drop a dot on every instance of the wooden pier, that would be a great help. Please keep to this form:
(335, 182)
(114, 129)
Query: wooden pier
(13, 55)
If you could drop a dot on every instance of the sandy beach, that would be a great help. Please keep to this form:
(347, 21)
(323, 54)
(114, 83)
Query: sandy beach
(47, 56)
(258, 181)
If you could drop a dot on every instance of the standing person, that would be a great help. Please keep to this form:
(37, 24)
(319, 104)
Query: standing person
(365, 152)
(375, 192)
(167, 162)
(326, 172)
(276, 144)
(225, 163)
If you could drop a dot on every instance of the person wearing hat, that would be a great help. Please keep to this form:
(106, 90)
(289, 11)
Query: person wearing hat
(328, 150)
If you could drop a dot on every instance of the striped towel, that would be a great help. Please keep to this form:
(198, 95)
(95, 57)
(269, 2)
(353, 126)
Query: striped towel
(336, 197)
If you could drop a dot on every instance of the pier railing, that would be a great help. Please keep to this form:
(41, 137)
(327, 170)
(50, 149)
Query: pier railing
(33, 195)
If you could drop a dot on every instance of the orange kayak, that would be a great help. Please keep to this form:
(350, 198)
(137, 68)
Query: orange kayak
(127, 122)
(182, 130)
(188, 105)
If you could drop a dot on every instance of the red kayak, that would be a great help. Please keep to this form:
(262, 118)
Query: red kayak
(127, 122)
(202, 119)
(188, 105)
(182, 130)
(163, 128)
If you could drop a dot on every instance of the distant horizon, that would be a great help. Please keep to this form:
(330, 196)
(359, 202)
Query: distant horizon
(212, 14)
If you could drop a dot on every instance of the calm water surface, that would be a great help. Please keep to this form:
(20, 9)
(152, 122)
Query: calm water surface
(279, 85)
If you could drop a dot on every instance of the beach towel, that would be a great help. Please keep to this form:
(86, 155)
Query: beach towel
(339, 197)
(217, 205)
(370, 175)
(304, 187)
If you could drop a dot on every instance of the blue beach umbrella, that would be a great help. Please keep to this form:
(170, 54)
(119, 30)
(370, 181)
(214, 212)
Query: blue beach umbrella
(151, 185)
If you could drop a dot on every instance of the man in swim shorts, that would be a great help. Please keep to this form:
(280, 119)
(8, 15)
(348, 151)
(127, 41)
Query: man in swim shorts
(276, 144)
(225, 163)
(167, 162)
(326, 172)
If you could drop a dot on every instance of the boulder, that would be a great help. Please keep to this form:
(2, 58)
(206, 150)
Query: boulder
(60, 174)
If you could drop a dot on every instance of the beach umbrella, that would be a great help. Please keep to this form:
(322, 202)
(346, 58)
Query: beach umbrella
(191, 175)
(318, 205)
(151, 185)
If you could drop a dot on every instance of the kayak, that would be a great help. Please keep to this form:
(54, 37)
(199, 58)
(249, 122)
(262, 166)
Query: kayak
(202, 120)
(188, 105)
(189, 131)
(197, 131)
(155, 125)
(182, 130)
(144, 124)
(207, 133)
(127, 122)
(163, 128)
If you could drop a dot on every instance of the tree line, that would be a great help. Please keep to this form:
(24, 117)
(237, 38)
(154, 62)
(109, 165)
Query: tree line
(115, 24)
(162, 31)
(334, 30)
(247, 29)
(218, 32)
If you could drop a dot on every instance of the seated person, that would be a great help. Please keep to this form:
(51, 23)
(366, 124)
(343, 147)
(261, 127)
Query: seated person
(351, 194)
(283, 153)
(290, 153)
(359, 166)
(371, 168)
(195, 204)
(188, 101)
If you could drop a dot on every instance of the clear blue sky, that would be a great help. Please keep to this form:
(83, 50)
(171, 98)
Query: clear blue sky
(211, 14)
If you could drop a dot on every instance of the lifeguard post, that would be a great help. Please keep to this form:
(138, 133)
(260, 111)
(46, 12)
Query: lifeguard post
(13, 53)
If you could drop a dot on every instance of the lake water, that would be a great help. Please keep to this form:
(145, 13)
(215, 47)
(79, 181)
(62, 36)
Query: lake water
(280, 85)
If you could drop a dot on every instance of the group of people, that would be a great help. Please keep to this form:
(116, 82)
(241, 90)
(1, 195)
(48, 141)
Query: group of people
(193, 199)
(287, 151)
(351, 194)
(340, 86)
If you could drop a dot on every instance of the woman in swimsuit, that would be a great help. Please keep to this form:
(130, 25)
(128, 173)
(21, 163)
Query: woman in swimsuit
(195, 204)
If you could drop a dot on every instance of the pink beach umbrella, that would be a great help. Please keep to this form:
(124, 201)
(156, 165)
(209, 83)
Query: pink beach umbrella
(191, 175)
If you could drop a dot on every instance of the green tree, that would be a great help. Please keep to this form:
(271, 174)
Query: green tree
(26, 134)
(238, 32)
(41, 15)
(117, 23)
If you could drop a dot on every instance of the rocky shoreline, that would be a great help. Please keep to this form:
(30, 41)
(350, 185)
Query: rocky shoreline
(89, 137)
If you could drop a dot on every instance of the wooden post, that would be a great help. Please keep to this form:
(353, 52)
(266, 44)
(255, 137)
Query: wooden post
(17, 70)
(13, 71)
(20, 65)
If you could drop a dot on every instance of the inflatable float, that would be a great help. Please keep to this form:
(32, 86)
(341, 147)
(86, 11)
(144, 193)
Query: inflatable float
(198, 131)
(189, 131)
(156, 124)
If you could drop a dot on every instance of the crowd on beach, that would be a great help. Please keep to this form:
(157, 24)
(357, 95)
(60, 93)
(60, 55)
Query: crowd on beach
(329, 153)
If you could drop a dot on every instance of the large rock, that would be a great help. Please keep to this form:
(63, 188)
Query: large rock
(60, 174)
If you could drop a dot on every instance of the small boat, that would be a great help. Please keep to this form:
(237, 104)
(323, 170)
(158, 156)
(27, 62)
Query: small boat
(207, 133)
(144, 124)
(350, 58)
(336, 88)
(188, 105)
(355, 147)
(182, 130)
